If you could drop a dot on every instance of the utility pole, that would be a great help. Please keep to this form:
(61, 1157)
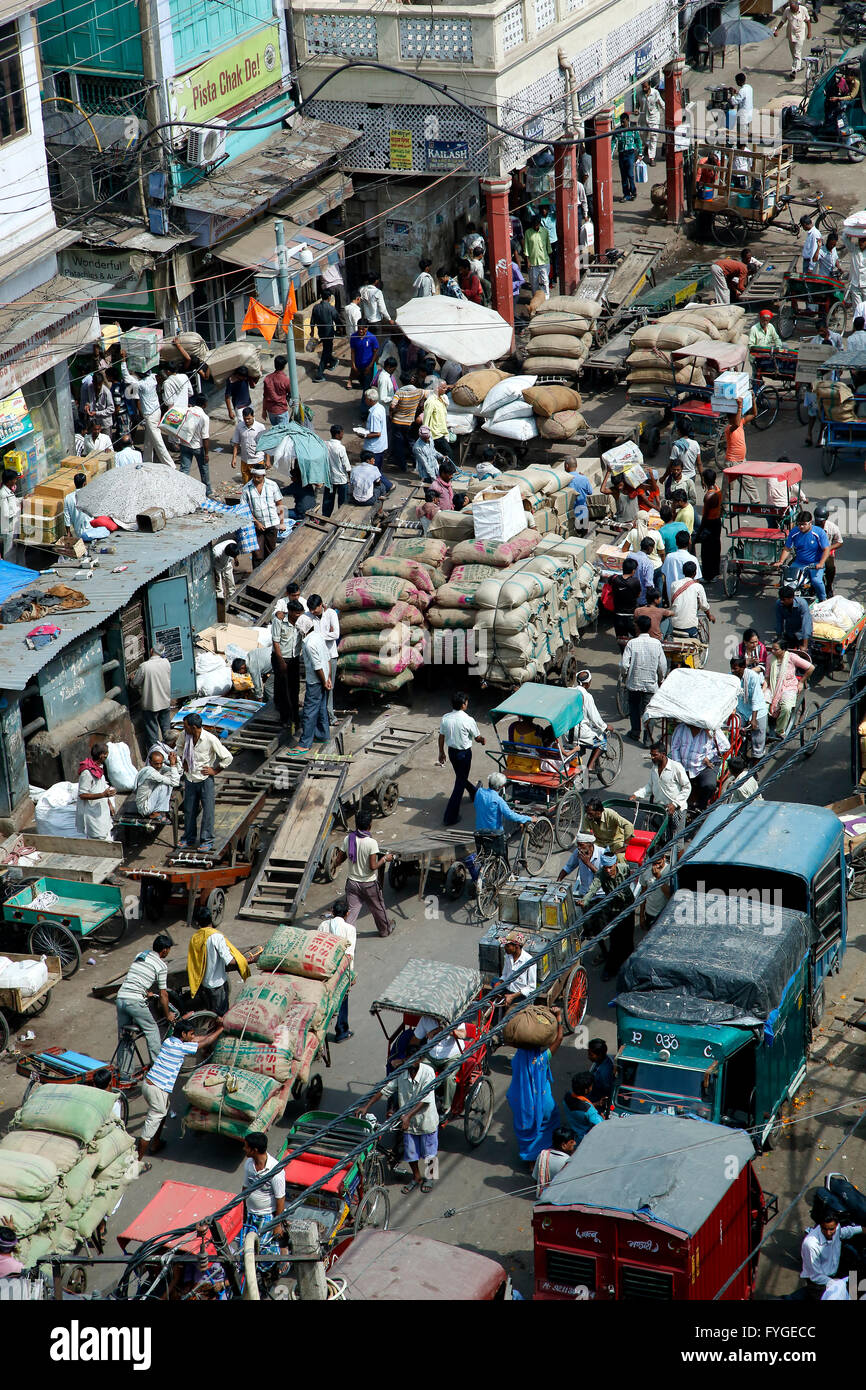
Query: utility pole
(283, 283)
(309, 1271)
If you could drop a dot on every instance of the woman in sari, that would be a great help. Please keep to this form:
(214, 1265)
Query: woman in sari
(788, 671)
(530, 1096)
(155, 783)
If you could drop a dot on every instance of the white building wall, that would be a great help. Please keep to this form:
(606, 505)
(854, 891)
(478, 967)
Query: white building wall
(27, 211)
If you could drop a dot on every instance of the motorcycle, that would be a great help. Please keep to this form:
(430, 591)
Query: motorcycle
(852, 22)
(825, 139)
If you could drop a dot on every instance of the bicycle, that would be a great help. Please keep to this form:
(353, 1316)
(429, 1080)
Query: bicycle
(817, 64)
(533, 852)
(822, 213)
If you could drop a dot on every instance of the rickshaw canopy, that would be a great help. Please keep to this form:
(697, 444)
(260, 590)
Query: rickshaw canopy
(724, 356)
(705, 699)
(562, 709)
(430, 987)
(850, 358)
(790, 472)
(396, 1266)
(181, 1204)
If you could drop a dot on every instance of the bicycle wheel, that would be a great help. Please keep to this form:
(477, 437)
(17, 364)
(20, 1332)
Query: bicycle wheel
(810, 728)
(837, 317)
(787, 320)
(609, 765)
(621, 697)
(575, 998)
(478, 1111)
(704, 638)
(493, 874)
(569, 817)
(374, 1210)
(850, 31)
(51, 939)
(767, 399)
(536, 846)
(730, 577)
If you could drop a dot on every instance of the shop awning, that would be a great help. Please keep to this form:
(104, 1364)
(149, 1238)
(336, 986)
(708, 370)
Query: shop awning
(29, 254)
(318, 199)
(246, 187)
(48, 324)
(256, 250)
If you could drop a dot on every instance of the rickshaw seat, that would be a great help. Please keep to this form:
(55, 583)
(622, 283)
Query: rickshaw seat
(757, 533)
(303, 1172)
(635, 850)
(544, 779)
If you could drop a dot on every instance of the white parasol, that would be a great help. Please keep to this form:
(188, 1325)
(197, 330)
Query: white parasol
(456, 329)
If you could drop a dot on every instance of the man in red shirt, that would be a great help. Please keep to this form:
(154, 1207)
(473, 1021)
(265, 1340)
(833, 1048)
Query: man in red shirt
(730, 277)
(276, 393)
(469, 282)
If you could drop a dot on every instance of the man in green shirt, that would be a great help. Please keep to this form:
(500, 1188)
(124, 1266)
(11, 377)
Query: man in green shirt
(536, 249)
(627, 145)
(763, 334)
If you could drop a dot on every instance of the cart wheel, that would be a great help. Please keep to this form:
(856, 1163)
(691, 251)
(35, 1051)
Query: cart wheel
(729, 229)
(397, 875)
(4, 1039)
(34, 1010)
(478, 1111)
(491, 878)
(537, 846)
(76, 1281)
(816, 1008)
(837, 317)
(810, 728)
(50, 939)
(704, 638)
(829, 459)
(787, 324)
(568, 671)
(315, 1091)
(730, 578)
(249, 846)
(374, 1210)
(329, 864)
(216, 905)
(856, 151)
(768, 407)
(857, 886)
(569, 817)
(110, 932)
(575, 998)
(621, 698)
(387, 795)
(455, 881)
(609, 765)
(802, 408)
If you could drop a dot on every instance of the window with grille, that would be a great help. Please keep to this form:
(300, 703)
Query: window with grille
(575, 5)
(545, 13)
(353, 36)
(512, 27)
(13, 104)
(441, 40)
(111, 96)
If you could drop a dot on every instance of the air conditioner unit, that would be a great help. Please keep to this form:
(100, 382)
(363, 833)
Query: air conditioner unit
(206, 146)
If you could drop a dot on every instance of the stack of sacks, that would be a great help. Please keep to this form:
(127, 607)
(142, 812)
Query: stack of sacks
(556, 410)
(426, 551)
(649, 362)
(547, 497)
(452, 527)
(561, 335)
(271, 1034)
(833, 618)
(506, 414)
(474, 561)
(471, 390)
(723, 321)
(62, 1167)
(836, 400)
(385, 661)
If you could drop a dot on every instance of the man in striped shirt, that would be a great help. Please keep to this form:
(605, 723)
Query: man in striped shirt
(265, 501)
(405, 409)
(157, 1086)
(146, 975)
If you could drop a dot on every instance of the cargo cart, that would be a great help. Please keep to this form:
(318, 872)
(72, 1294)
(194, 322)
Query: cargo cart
(545, 914)
(26, 1006)
(79, 910)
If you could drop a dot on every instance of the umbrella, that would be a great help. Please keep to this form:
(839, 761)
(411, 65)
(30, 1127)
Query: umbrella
(122, 493)
(738, 31)
(456, 328)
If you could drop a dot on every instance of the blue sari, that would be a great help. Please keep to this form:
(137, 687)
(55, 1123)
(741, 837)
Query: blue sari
(530, 1096)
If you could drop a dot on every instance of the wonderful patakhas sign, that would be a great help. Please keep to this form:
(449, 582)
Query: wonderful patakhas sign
(223, 82)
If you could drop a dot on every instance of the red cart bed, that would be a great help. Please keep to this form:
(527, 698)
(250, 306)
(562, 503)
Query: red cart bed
(182, 1204)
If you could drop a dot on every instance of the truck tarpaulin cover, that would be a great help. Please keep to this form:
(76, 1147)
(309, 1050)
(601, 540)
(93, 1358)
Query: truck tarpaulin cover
(715, 958)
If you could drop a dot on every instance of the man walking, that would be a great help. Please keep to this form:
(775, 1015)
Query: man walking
(798, 27)
(627, 145)
(362, 883)
(245, 440)
(277, 393)
(154, 678)
(335, 924)
(373, 305)
(286, 660)
(536, 249)
(652, 110)
(196, 445)
(146, 975)
(264, 499)
(145, 389)
(644, 667)
(668, 786)
(323, 322)
(317, 679)
(203, 757)
(457, 732)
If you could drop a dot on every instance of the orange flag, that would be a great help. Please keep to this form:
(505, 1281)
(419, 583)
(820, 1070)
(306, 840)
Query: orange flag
(291, 306)
(260, 319)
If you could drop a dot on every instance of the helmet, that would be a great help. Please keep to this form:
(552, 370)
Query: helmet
(822, 511)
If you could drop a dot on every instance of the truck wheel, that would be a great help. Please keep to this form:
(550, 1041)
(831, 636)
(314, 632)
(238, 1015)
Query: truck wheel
(775, 1133)
(819, 1000)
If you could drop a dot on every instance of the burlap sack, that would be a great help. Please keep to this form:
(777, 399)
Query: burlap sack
(534, 1026)
(563, 425)
(554, 345)
(648, 357)
(573, 304)
(555, 366)
(450, 617)
(559, 323)
(473, 387)
(549, 400)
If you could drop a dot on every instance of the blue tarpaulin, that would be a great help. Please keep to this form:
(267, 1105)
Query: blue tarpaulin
(13, 578)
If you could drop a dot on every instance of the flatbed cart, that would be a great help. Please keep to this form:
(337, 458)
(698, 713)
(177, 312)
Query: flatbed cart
(442, 851)
(199, 878)
(78, 910)
(27, 1006)
(638, 424)
(131, 823)
(833, 656)
(291, 859)
(374, 769)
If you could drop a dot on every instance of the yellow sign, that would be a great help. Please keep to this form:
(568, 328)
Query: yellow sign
(226, 80)
(400, 149)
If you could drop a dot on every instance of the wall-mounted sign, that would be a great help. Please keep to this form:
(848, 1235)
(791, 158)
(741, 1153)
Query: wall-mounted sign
(229, 78)
(447, 154)
(400, 149)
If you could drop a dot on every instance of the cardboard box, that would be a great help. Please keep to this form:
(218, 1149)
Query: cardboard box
(622, 456)
(215, 639)
(727, 405)
(499, 515)
(610, 558)
(846, 810)
(59, 486)
(141, 346)
(731, 385)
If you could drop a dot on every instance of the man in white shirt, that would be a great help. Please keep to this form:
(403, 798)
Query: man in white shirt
(798, 25)
(552, 1161)
(317, 678)
(10, 513)
(269, 1200)
(196, 443)
(676, 561)
(688, 598)
(219, 958)
(668, 786)
(338, 463)
(225, 554)
(743, 102)
(203, 758)
(126, 456)
(820, 1252)
(644, 667)
(145, 390)
(176, 391)
(373, 306)
(424, 285)
(457, 732)
(440, 1054)
(376, 437)
(336, 925)
(95, 442)
(812, 243)
(519, 973)
(327, 623)
(592, 730)
(414, 1092)
(352, 315)
(245, 439)
(365, 482)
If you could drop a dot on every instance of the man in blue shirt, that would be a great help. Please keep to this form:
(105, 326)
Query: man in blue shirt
(364, 348)
(601, 1070)
(752, 704)
(793, 619)
(586, 859)
(810, 546)
(583, 488)
(645, 568)
(492, 812)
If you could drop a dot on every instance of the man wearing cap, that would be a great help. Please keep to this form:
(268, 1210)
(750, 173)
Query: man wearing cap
(763, 334)
(203, 757)
(286, 660)
(317, 678)
(427, 457)
(154, 678)
(585, 858)
(265, 501)
(618, 945)
(592, 729)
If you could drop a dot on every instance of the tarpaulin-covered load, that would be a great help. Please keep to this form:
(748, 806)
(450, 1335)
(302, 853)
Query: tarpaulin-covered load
(705, 699)
(714, 958)
(430, 987)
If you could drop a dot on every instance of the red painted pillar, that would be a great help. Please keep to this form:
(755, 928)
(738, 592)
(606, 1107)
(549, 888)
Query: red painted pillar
(496, 192)
(674, 156)
(565, 177)
(602, 179)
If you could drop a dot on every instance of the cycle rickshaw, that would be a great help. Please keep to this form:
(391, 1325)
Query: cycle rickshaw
(705, 700)
(354, 1196)
(755, 550)
(438, 990)
(540, 758)
(811, 299)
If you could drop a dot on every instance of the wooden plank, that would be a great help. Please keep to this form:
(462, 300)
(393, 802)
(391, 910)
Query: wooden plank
(290, 861)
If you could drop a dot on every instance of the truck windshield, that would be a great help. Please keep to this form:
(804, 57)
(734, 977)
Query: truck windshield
(647, 1088)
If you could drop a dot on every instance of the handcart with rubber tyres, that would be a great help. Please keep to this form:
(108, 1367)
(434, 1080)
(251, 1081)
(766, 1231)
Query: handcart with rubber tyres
(57, 924)
(543, 912)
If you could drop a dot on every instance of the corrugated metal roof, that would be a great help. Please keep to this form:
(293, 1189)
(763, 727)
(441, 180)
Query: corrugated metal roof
(49, 304)
(42, 246)
(257, 249)
(238, 190)
(106, 234)
(147, 556)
